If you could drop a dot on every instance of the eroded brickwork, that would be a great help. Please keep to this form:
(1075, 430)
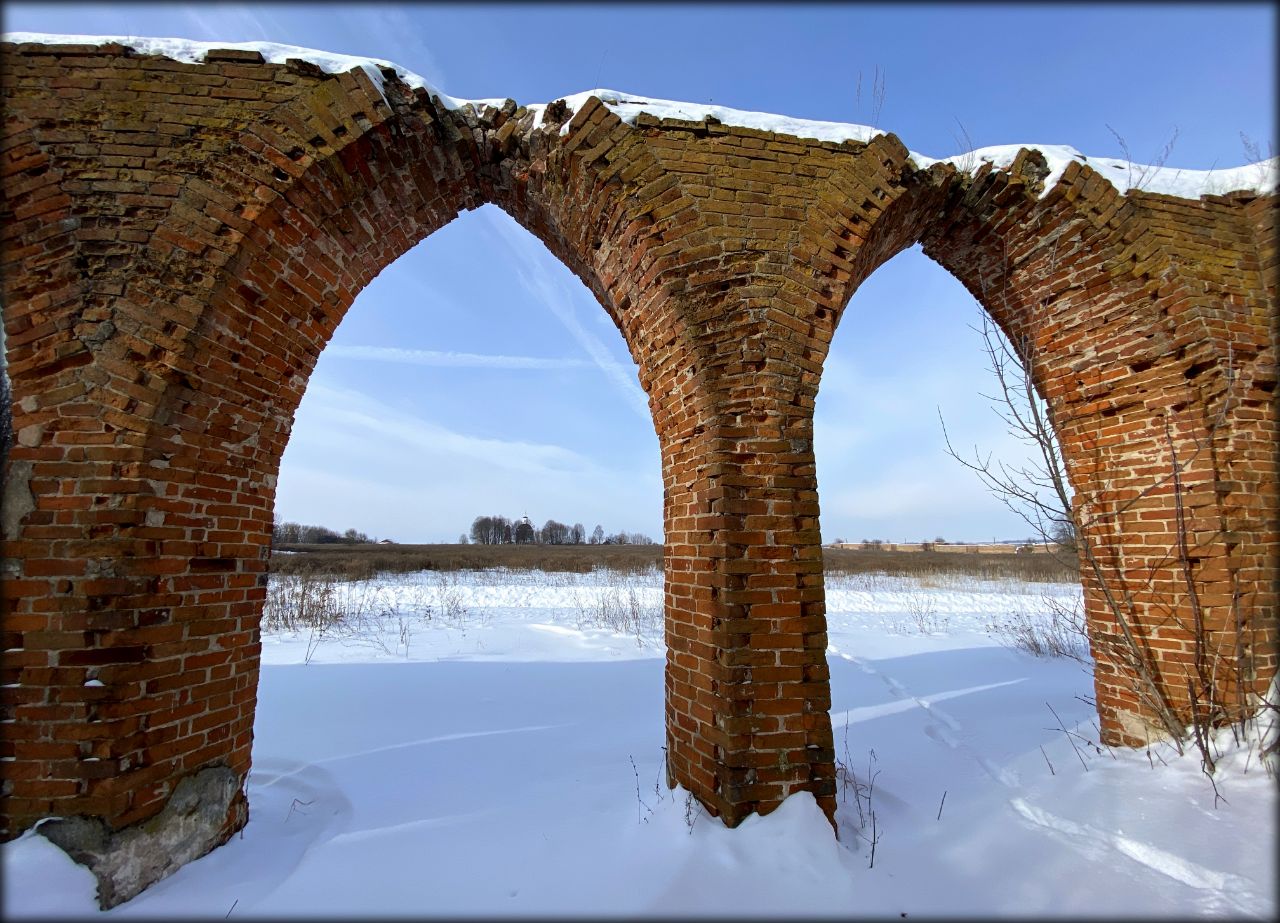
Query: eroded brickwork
(1151, 323)
(180, 242)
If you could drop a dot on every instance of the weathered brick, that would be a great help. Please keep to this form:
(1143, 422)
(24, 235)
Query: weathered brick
(223, 216)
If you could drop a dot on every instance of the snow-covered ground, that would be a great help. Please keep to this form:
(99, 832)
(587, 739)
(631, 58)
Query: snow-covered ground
(490, 744)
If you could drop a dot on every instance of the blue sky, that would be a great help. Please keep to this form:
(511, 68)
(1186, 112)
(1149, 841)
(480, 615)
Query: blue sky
(477, 375)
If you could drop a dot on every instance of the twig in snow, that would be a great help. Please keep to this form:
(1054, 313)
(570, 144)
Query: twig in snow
(941, 803)
(297, 802)
(1046, 759)
(1099, 730)
(691, 813)
(1086, 741)
(1069, 740)
(233, 907)
(640, 818)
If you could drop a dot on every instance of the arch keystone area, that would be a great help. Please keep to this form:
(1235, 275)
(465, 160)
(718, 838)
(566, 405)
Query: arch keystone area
(185, 225)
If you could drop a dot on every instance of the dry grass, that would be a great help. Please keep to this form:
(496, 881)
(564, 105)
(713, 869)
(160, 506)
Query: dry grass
(1028, 568)
(358, 562)
(623, 606)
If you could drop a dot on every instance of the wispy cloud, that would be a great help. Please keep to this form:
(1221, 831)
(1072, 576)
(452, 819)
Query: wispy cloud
(234, 23)
(551, 291)
(445, 359)
(359, 418)
(354, 461)
(390, 32)
(883, 468)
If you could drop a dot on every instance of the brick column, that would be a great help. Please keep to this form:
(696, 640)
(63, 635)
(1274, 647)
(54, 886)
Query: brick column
(747, 692)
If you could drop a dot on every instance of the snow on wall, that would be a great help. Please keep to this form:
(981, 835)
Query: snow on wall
(192, 52)
(1260, 177)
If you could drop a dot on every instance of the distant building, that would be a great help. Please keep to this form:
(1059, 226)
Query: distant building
(523, 532)
(386, 541)
(949, 547)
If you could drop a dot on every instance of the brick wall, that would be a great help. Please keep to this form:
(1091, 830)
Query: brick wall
(180, 242)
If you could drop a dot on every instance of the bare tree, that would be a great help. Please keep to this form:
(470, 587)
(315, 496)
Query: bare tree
(554, 532)
(490, 530)
(877, 95)
(1038, 491)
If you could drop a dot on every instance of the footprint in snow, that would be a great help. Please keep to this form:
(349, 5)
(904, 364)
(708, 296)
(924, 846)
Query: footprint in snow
(1225, 887)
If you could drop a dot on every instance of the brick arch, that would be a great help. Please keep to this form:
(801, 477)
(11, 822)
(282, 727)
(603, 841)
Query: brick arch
(240, 273)
(1081, 269)
(1137, 284)
(181, 241)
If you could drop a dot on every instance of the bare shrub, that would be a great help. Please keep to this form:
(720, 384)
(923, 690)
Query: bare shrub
(451, 605)
(299, 602)
(862, 789)
(1058, 632)
(621, 606)
(362, 612)
(922, 616)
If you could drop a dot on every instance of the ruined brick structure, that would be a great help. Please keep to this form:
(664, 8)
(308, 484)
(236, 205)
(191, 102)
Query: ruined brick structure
(181, 240)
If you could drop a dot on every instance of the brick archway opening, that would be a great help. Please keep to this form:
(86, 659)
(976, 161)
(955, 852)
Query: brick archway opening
(888, 351)
(1144, 423)
(496, 347)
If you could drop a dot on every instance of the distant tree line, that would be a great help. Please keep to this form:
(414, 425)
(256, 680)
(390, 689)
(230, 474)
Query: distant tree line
(499, 530)
(293, 533)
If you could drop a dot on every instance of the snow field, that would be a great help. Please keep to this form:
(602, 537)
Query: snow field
(490, 743)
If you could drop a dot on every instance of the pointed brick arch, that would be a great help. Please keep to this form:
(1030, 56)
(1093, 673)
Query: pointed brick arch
(181, 240)
(1147, 321)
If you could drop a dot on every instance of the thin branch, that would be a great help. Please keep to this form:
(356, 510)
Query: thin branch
(1069, 740)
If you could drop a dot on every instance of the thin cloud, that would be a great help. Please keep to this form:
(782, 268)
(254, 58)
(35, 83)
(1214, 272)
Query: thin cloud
(237, 23)
(551, 292)
(358, 417)
(356, 461)
(445, 359)
(392, 34)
